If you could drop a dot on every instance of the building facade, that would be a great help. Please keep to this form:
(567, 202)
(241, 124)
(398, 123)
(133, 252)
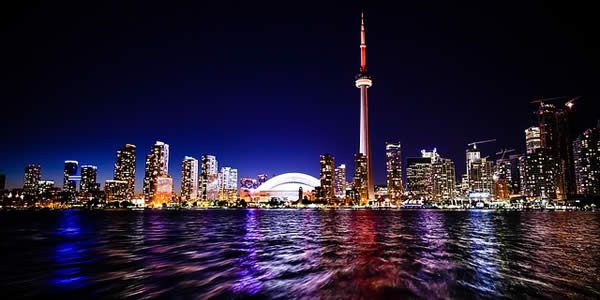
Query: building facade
(418, 177)
(443, 180)
(88, 179)
(327, 176)
(70, 171)
(393, 170)
(532, 139)
(340, 182)
(157, 166)
(360, 178)
(209, 181)
(189, 178)
(33, 175)
(125, 168)
(586, 150)
(115, 190)
(539, 172)
(228, 187)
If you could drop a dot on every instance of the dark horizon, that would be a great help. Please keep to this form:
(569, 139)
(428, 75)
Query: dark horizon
(267, 88)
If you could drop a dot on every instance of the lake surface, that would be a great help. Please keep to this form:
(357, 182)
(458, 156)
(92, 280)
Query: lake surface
(370, 254)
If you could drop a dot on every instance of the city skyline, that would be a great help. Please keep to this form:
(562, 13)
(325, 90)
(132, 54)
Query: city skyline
(285, 154)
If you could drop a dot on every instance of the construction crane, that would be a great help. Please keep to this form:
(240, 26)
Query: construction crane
(474, 144)
(503, 152)
(568, 104)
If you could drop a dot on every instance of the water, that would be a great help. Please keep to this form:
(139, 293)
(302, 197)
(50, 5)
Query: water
(299, 254)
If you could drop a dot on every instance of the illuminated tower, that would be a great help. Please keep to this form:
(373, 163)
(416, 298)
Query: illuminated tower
(364, 82)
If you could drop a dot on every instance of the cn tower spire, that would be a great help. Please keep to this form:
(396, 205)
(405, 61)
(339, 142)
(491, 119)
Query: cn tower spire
(363, 44)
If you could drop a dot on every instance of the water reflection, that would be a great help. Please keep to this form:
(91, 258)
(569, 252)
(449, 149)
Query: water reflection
(359, 254)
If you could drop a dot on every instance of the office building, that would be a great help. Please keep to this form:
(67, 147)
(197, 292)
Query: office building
(157, 166)
(88, 179)
(33, 175)
(532, 139)
(393, 170)
(69, 177)
(209, 181)
(418, 177)
(327, 176)
(125, 168)
(340, 184)
(361, 178)
(539, 172)
(586, 150)
(443, 179)
(189, 178)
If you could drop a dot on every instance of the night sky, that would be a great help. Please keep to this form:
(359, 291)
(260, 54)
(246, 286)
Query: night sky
(268, 87)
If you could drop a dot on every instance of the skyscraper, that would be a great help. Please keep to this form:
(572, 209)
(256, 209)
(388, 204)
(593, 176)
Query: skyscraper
(443, 179)
(539, 170)
(556, 137)
(115, 190)
(418, 177)
(189, 178)
(327, 175)
(481, 176)
(340, 183)
(364, 82)
(125, 169)
(360, 178)
(586, 150)
(393, 170)
(209, 183)
(532, 139)
(88, 179)
(157, 165)
(70, 170)
(228, 179)
(33, 175)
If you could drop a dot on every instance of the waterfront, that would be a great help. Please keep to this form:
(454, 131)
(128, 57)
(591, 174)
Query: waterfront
(300, 254)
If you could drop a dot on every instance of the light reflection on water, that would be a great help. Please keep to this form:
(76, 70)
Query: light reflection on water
(300, 254)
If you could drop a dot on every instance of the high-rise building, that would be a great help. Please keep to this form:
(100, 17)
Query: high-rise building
(70, 171)
(481, 176)
(340, 183)
(418, 177)
(556, 136)
(586, 150)
(88, 179)
(327, 176)
(115, 190)
(125, 169)
(364, 82)
(228, 179)
(157, 166)
(33, 175)
(472, 154)
(209, 181)
(393, 170)
(189, 178)
(539, 170)
(361, 178)
(44, 186)
(532, 138)
(443, 179)
(502, 177)
(515, 174)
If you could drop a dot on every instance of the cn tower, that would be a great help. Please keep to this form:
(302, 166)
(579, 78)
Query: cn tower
(364, 82)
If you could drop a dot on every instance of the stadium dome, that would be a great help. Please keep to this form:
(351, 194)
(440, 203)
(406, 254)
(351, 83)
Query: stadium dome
(287, 185)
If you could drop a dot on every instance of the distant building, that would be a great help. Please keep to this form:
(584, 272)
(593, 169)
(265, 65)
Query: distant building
(44, 186)
(393, 170)
(556, 137)
(515, 174)
(33, 175)
(539, 172)
(360, 178)
(88, 179)
(327, 176)
(125, 168)
(189, 178)
(157, 166)
(586, 150)
(2, 182)
(443, 179)
(228, 179)
(209, 181)
(115, 190)
(532, 139)
(70, 170)
(248, 183)
(481, 176)
(340, 183)
(418, 177)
